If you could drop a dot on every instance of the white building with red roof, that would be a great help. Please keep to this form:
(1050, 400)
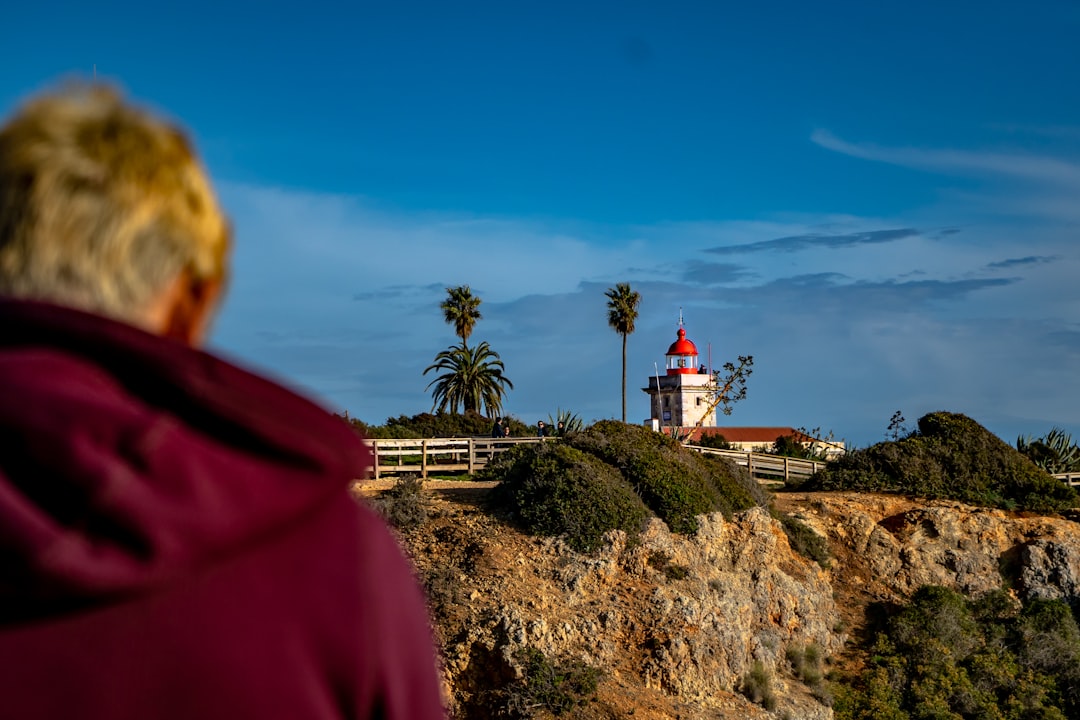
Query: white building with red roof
(682, 396)
(681, 404)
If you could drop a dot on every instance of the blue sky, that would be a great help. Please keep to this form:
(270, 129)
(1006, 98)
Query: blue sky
(879, 201)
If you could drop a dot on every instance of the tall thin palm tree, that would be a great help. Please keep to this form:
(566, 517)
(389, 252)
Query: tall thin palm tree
(471, 378)
(460, 310)
(622, 312)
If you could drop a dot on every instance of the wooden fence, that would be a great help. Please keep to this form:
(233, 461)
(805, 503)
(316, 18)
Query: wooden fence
(450, 456)
(439, 455)
(1070, 479)
(766, 469)
(468, 455)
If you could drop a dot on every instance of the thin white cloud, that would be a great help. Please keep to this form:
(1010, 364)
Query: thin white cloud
(1037, 168)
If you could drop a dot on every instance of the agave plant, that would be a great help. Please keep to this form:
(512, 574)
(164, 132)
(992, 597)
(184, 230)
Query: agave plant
(570, 420)
(1055, 452)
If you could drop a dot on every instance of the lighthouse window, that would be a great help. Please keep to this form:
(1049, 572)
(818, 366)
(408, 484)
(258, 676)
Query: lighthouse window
(699, 401)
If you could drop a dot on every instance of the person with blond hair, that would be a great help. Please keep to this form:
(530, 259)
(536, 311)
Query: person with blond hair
(177, 539)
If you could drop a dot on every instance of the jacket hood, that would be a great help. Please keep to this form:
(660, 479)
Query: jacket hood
(128, 460)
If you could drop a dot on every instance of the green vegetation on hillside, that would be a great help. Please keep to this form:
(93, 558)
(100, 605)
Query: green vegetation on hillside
(945, 657)
(553, 489)
(440, 425)
(610, 476)
(949, 456)
(674, 483)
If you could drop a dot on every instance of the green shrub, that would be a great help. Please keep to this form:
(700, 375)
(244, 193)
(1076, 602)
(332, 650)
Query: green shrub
(676, 484)
(713, 440)
(553, 489)
(405, 506)
(756, 686)
(660, 560)
(437, 425)
(806, 663)
(942, 655)
(557, 688)
(951, 456)
(804, 540)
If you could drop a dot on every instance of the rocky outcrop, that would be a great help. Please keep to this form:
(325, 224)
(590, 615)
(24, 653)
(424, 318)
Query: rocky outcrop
(677, 622)
(680, 619)
(893, 545)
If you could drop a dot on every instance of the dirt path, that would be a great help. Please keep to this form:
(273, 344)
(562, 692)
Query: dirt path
(467, 491)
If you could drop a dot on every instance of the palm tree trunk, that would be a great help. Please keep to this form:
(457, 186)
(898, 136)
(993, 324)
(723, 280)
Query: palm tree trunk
(624, 377)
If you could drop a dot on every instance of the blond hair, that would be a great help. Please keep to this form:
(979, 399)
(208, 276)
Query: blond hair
(102, 205)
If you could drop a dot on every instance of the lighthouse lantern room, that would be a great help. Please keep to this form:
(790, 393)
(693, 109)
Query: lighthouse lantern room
(681, 397)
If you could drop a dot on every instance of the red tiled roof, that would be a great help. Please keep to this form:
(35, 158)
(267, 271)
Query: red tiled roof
(762, 435)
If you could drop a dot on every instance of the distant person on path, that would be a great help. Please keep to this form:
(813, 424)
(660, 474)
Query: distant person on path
(497, 428)
(541, 429)
(177, 535)
(560, 429)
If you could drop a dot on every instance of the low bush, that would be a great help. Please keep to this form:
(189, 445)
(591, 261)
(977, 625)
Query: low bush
(942, 655)
(660, 560)
(437, 425)
(804, 540)
(553, 489)
(806, 663)
(676, 484)
(756, 686)
(951, 456)
(405, 505)
(555, 687)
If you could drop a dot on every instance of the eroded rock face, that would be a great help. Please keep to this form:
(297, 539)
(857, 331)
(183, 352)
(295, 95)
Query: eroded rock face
(677, 622)
(895, 545)
(681, 618)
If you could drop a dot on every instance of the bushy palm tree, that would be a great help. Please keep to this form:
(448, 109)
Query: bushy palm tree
(622, 312)
(460, 310)
(471, 378)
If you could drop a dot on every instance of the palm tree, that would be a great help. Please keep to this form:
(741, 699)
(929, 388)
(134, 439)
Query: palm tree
(471, 377)
(460, 310)
(622, 312)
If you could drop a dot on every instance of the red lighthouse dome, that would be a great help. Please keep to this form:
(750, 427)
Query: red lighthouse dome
(682, 356)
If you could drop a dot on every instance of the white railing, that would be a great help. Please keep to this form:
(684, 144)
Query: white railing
(439, 455)
(766, 468)
(468, 455)
(1070, 479)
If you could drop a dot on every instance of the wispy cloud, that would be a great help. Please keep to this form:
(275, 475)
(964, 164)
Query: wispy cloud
(703, 273)
(1030, 167)
(1017, 262)
(795, 243)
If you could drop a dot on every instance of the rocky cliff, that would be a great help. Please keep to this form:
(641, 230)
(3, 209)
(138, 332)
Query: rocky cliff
(689, 626)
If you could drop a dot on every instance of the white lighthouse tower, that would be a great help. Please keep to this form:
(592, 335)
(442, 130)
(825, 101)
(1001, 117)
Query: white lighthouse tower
(681, 396)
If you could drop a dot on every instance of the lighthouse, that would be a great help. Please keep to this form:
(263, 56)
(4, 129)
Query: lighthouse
(681, 396)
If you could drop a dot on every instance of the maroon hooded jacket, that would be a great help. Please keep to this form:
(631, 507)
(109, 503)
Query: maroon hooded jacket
(177, 541)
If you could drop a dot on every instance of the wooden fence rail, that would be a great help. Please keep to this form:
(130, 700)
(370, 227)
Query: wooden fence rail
(1070, 479)
(439, 455)
(468, 455)
(766, 469)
